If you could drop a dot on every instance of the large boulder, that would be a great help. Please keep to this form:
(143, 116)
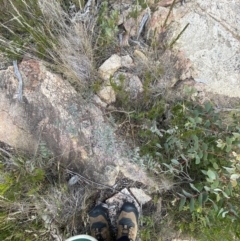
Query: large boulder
(211, 42)
(76, 131)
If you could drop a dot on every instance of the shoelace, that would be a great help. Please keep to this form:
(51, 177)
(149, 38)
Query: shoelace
(127, 231)
(98, 234)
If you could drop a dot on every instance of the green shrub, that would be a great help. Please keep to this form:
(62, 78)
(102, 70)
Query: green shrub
(105, 37)
(107, 23)
(199, 148)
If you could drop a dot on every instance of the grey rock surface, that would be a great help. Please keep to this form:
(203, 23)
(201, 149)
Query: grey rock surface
(130, 83)
(140, 195)
(212, 42)
(127, 61)
(76, 131)
(106, 93)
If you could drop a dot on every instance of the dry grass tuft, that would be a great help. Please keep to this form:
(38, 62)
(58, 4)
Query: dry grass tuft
(64, 205)
(48, 32)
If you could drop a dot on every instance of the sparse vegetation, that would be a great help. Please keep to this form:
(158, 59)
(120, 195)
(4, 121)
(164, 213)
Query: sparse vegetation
(22, 182)
(107, 22)
(36, 202)
(191, 143)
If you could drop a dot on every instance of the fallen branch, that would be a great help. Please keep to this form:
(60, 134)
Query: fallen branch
(20, 82)
(143, 22)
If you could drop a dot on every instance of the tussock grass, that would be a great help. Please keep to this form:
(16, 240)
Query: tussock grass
(64, 204)
(42, 29)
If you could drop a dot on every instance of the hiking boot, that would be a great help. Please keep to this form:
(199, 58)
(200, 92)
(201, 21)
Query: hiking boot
(127, 221)
(99, 224)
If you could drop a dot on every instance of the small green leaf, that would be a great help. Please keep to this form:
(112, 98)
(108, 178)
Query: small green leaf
(200, 199)
(220, 211)
(168, 166)
(158, 145)
(180, 194)
(199, 186)
(159, 154)
(182, 202)
(191, 120)
(229, 148)
(207, 123)
(187, 194)
(225, 194)
(198, 120)
(200, 154)
(230, 169)
(204, 172)
(197, 159)
(196, 144)
(193, 187)
(217, 197)
(174, 161)
(207, 188)
(184, 158)
(204, 146)
(220, 144)
(205, 197)
(191, 204)
(229, 141)
(224, 214)
(215, 166)
(205, 156)
(211, 174)
(236, 135)
(215, 184)
(208, 106)
(209, 180)
(230, 188)
(214, 205)
(228, 191)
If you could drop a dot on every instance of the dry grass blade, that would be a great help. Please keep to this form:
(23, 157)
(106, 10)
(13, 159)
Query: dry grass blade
(52, 36)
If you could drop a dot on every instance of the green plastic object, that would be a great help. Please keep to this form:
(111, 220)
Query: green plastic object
(81, 237)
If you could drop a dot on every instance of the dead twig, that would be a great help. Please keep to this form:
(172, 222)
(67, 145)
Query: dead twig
(20, 82)
(6, 152)
(95, 183)
(143, 22)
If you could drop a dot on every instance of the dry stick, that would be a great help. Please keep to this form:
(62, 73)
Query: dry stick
(96, 183)
(6, 152)
(142, 24)
(20, 82)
